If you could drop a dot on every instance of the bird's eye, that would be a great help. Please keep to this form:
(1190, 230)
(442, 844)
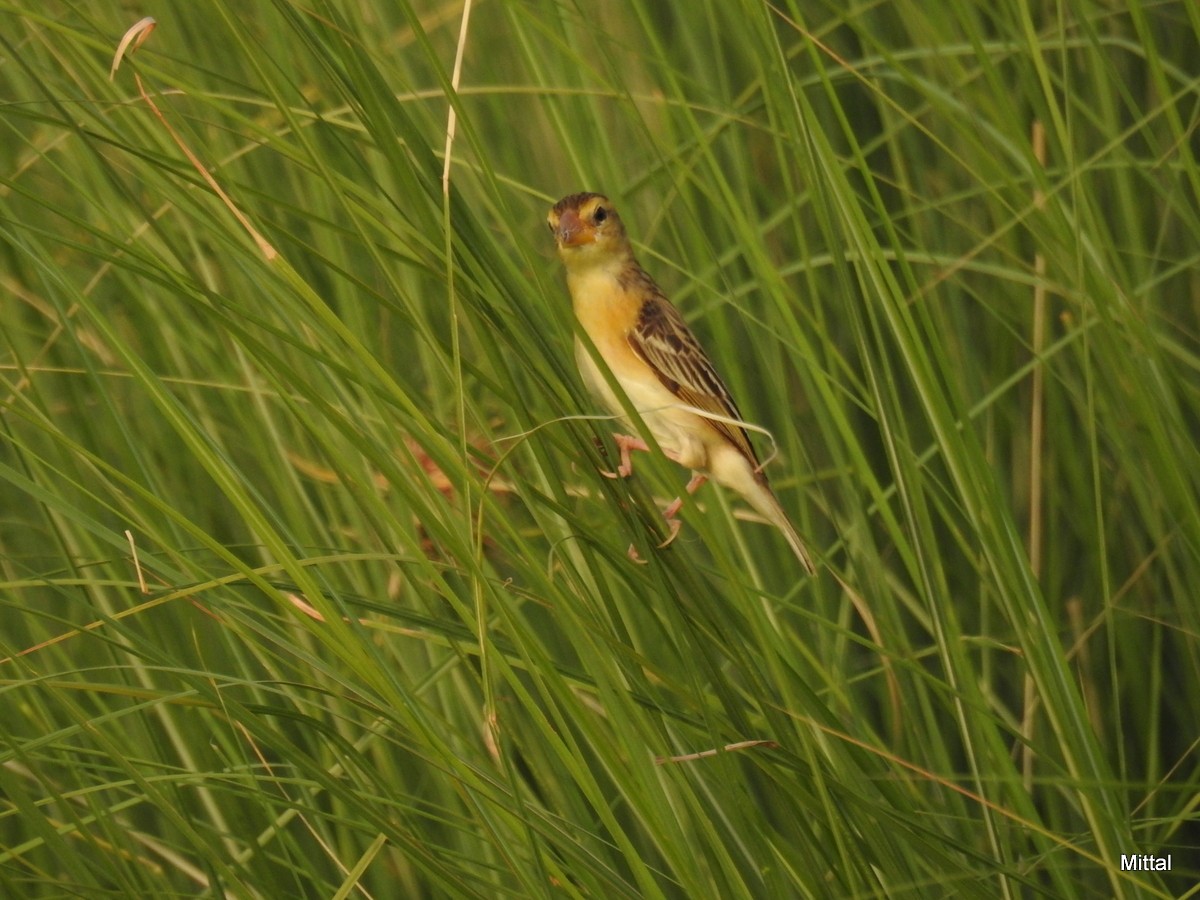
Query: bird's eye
(599, 215)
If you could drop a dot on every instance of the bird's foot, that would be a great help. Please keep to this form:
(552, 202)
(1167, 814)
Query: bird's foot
(669, 513)
(672, 509)
(676, 526)
(626, 444)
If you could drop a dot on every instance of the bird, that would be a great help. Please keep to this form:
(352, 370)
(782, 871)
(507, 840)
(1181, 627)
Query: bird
(657, 362)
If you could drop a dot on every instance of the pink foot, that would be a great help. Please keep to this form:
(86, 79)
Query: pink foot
(626, 443)
(676, 526)
(675, 505)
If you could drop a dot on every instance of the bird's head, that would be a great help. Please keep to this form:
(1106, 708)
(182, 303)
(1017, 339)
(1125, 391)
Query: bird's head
(587, 230)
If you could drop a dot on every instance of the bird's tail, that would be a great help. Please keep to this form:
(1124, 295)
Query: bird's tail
(767, 505)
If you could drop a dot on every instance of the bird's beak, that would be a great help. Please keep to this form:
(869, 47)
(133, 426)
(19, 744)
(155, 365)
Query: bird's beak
(572, 231)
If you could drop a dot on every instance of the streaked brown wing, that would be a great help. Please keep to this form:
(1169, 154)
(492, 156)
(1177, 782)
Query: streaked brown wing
(662, 338)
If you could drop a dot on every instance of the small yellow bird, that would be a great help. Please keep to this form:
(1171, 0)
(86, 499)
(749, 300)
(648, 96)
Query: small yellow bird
(657, 361)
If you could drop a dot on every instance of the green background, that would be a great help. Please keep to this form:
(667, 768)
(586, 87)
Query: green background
(381, 637)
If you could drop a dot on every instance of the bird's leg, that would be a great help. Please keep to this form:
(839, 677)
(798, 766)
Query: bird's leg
(626, 443)
(671, 511)
(675, 505)
(692, 486)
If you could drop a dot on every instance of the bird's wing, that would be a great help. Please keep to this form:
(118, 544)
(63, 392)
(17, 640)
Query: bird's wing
(663, 340)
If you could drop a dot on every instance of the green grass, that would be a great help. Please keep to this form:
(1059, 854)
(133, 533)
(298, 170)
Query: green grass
(389, 642)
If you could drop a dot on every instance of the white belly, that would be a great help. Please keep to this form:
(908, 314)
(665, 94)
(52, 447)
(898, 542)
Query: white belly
(674, 429)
